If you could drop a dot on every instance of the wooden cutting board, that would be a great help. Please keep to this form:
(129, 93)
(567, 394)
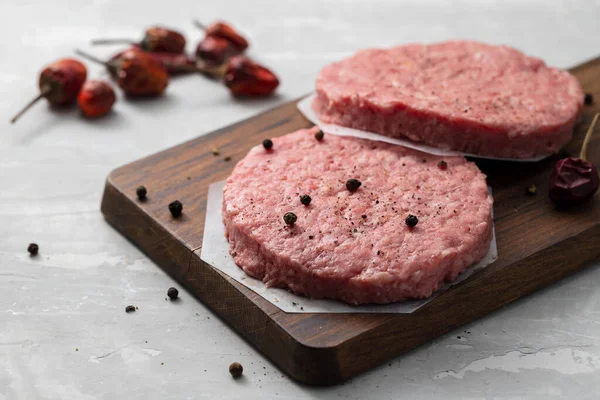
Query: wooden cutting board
(537, 245)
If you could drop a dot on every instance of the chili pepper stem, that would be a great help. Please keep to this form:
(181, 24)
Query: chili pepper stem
(92, 58)
(111, 41)
(588, 136)
(199, 24)
(43, 93)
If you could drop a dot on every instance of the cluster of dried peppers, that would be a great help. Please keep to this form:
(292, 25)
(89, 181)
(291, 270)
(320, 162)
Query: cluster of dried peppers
(144, 69)
(219, 54)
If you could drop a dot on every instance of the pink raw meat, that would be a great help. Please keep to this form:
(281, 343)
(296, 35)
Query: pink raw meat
(459, 95)
(355, 246)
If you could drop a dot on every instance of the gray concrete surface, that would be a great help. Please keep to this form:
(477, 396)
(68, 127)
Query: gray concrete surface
(63, 330)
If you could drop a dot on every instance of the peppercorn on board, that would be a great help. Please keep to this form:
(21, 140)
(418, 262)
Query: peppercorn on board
(537, 245)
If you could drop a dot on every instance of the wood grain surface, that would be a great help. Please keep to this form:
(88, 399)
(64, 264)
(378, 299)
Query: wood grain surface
(537, 244)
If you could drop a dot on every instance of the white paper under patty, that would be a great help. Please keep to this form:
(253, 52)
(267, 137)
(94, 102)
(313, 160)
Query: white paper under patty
(215, 252)
(305, 107)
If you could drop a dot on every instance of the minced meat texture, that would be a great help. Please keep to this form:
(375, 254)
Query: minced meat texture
(355, 245)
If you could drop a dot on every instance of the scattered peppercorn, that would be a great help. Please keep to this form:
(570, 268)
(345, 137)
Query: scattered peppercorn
(588, 99)
(305, 199)
(353, 184)
(442, 165)
(33, 249)
(268, 144)
(411, 220)
(364, 216)
(176, 208)
(290, 218)
(227, 159)
(236, 369)
(319, 135)
(129, 309)
(215, 151)
(311, 237)
(172, 293)
(141, 193)
(531, 190)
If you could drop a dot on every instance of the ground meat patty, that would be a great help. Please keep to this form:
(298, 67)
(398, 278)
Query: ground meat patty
(355, 246)
(458, 95)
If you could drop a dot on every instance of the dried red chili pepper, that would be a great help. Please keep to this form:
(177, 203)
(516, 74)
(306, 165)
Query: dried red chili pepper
(575, 180)
(215, 50)
(59, 83)
(225, 31)
(156, 39)
(244, 77)
(175, 64)
(136, 72)
(96, 98)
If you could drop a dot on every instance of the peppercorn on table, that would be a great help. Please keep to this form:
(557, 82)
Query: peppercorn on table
(64, 329)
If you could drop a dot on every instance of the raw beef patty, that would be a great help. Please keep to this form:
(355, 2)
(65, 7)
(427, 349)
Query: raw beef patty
(355, 246)
(465, 96)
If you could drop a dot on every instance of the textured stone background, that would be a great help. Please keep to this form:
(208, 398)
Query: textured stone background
(52, 171)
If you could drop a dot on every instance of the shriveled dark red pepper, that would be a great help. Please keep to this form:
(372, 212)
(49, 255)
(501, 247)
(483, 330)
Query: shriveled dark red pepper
(214, 50)
(175, 64)
(244, 77)
(156, 39)
(59, 83)
(225, 31)
(96, 99)
(136, 72)
(575, 180)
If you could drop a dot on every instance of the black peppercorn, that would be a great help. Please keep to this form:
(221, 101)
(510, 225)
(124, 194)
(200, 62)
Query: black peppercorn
(176, 208)
(319, 135)
(236, 369)
(227, 159)
(141, 193)
(305, 199)
(129, 309)
(364, 216)
(290, 218)
(268, 144)
(588, 99)
(442, 165)
(33, 249)
(172, 293)
(411, 220)
(531, 190)
(353, 184)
